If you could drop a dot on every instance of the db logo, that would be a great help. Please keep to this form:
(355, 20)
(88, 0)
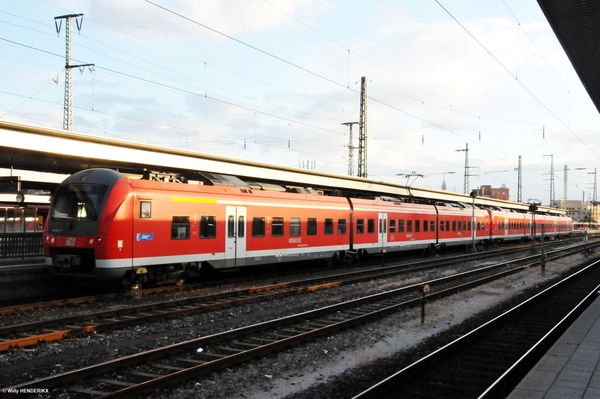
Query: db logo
(70, 241)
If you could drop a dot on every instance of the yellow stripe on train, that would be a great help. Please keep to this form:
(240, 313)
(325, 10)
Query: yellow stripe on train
(195, 200)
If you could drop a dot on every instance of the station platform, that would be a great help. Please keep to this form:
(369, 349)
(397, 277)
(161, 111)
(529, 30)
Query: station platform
(571, 368)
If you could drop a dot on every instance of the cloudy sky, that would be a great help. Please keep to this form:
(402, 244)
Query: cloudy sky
(273, 81)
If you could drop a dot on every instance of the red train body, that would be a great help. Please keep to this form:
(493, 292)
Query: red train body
(104, 225)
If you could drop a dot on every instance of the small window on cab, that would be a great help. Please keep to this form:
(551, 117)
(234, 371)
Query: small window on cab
(145, 209)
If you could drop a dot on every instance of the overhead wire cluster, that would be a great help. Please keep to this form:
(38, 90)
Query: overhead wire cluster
(243, 101)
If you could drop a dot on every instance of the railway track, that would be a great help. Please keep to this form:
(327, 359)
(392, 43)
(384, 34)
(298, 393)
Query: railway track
(32, 333)
(489, 361)
(90, 299)
(144, 372)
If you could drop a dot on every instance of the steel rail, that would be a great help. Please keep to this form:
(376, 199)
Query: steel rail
(495, 389)
(278, 334)
(57, 329)
(168, 288)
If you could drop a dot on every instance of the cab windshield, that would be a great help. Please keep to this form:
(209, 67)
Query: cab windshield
(78, 202)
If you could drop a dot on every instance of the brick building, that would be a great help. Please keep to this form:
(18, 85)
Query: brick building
(501, 193)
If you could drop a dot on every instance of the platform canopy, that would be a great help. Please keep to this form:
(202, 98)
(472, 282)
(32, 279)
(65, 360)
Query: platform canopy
(576, 24)
(33, 148)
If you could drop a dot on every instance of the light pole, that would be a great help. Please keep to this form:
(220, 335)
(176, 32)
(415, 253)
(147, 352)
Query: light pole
(533, 207)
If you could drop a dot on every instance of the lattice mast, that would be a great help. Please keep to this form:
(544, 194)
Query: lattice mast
(467, 174)
(362, 130)
(68, 113)
(520, 182)
(351, 148)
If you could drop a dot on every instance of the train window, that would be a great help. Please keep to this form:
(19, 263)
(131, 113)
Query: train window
(328, 227)
(454, 225)
(145, 210)
(417, 226)
(78, 201)
(447, 225)
(441, 225)
(241, 226)
(294, 227)
(208, 226)
(400, 226)
(393, 226)
(469, 226)
(180, 227)
(371, 226)
(360, 226)
(277, 227)
(258, 226)
(464, 223)
(425, 226)
(341, 226)
(432, 225)
(311, 227)
(409, 224)
(382, 226)
(230, 227)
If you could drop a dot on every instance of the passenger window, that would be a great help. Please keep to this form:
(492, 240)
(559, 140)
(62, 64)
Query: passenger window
(208, 226)
(447, 225)
(409, 226)
(241, 227)
(417, 226)
(277, 227)
(230, 227)
(425, 226)
(360, 226)
(393, 226)
(341, 226)
(258, 227)
(454, 225)
(311, 227)
(180, 227)
(459, 226)
(294, 227)
(432, 225)
(371, 226)
(328, 227)
(400, 226)
(441, 225)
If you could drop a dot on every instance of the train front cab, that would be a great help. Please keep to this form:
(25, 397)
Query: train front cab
(87, 210)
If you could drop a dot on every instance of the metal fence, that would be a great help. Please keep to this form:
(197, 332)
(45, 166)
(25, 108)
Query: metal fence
(21, 245)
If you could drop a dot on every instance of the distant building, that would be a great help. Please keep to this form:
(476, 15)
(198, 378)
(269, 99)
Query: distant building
(501, 193)
(578, 210)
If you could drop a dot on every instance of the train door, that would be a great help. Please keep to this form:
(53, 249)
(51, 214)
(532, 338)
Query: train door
(382, 237)
(235, 236)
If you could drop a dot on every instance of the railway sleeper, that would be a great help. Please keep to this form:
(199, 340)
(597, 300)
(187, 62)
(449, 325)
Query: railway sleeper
(142, 374)
(188, 360)
(247, 344)
(230, 350)
(166, 366)
(116, 382)
(87, 391)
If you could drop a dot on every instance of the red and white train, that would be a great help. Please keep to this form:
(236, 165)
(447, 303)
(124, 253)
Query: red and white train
(105, 225)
